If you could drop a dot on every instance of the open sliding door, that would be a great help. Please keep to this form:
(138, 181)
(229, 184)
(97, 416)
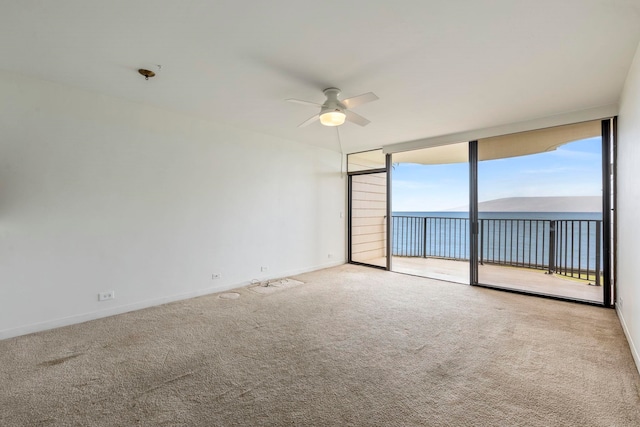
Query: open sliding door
(368, 208)
(430, 213)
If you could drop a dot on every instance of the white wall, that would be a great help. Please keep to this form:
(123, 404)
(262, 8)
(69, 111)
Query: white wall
(628, 304)
(98, 194)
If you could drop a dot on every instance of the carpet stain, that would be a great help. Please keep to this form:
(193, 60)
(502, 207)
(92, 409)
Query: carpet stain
(132, 339)
(164, 383)
(245, 392)
(59, 360)
(125, 341)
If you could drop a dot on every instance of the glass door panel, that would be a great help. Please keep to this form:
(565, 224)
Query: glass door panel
(540, 212)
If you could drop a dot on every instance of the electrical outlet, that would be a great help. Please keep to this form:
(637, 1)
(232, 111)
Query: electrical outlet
(215, 276)
(263, 269)
(102, 296)
(329, 255)
(620, 303)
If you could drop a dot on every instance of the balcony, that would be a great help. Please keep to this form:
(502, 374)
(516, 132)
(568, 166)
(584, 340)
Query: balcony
(560, 257)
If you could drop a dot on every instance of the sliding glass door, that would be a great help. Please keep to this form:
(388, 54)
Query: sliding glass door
(540, 212)
(431, 213)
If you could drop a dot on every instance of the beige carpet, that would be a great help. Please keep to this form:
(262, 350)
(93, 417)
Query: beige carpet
(349, 346)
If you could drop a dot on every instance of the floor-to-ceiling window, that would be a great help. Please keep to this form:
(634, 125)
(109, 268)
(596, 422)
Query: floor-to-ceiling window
(527, 212)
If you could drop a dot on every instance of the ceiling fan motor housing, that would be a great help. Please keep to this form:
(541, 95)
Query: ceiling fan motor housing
(332, 103)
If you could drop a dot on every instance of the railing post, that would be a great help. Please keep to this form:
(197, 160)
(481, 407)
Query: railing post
(424, 237)
(552, 246)
(598, 224)
(481, 223)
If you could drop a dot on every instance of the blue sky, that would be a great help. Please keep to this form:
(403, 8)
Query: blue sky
(571, 170)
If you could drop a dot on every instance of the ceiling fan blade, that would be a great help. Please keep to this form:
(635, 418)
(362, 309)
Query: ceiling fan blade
(360, 99)
(299, 101)
(309, 121)
(356, 118)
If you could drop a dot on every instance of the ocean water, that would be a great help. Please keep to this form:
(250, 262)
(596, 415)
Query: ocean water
(567, 240)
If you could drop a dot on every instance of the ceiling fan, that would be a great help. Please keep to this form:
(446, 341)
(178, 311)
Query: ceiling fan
(335, 111)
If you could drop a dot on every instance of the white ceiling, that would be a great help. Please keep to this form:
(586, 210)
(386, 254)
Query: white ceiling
(438, 66)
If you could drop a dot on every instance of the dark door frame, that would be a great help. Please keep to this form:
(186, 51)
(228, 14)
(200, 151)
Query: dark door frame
(473, 212)
(609, 136)
(350, 176)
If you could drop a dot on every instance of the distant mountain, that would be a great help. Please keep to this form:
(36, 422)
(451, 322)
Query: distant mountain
(539, 204)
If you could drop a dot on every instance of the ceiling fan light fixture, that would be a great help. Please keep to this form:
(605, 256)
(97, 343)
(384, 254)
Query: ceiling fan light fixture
(332, 118)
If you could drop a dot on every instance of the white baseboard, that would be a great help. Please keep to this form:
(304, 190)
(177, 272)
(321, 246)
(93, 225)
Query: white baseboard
(309, 269)
(112, 311)
(632, 346)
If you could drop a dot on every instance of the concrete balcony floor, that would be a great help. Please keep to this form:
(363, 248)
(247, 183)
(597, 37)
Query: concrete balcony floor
(523, 279)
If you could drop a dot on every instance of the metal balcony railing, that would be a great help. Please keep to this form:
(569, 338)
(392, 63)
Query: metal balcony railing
(568, 247)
